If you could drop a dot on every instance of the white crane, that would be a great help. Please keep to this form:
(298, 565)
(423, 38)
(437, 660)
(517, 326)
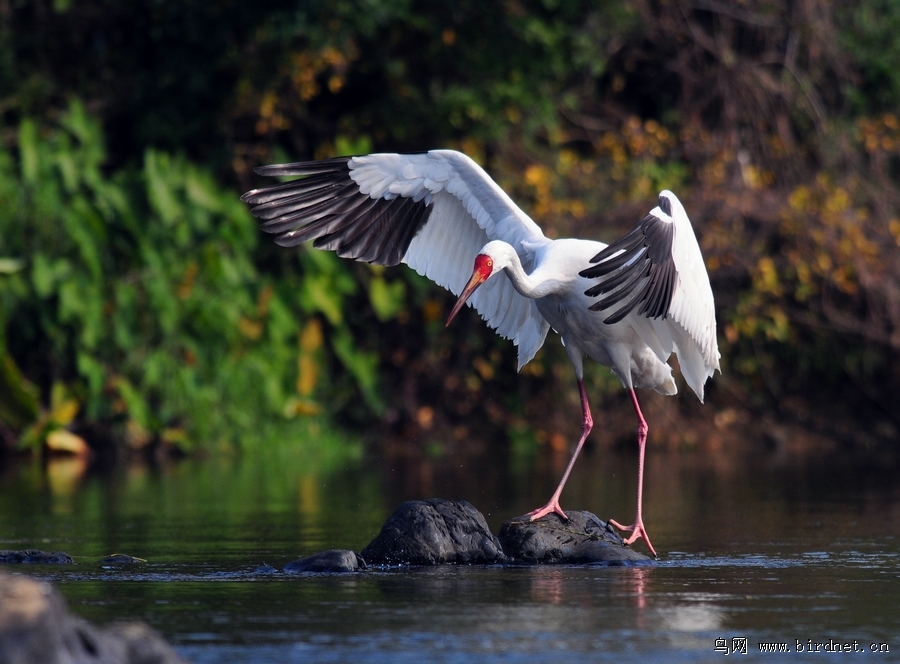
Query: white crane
(439, 213)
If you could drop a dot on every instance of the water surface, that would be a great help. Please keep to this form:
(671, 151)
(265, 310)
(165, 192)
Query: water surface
(756, 551)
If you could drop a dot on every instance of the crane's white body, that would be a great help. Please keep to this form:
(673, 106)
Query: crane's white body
(470, 210)
(439, 213)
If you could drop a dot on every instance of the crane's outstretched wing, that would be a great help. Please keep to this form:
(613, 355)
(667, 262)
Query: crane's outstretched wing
(656, 277)
(432, 211)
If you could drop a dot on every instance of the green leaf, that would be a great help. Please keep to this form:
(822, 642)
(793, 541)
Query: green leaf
(162, 197)
(362, 365)
(10, 265)
(388, 299)
(28, 151)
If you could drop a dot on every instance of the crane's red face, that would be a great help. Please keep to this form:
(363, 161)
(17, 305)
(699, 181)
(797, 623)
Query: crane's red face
(484, 268)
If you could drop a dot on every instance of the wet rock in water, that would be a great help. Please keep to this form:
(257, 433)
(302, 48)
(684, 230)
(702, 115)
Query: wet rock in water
(120, 559)
(37, 628)
(583, 539)
(334, 560)
(35, 556)
(432, 532)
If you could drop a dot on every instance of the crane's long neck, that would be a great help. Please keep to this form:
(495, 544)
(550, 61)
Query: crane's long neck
(529, 285)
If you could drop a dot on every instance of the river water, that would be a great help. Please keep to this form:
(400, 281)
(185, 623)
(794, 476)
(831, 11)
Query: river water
(757, 552)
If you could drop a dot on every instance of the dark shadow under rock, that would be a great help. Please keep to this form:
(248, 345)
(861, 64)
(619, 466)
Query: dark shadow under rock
(37, 628)
(583, 539)
(334, 560)
(35, 556)
(432, 532)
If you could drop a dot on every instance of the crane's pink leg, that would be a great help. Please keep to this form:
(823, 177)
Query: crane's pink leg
(587, 423)
(637, 530)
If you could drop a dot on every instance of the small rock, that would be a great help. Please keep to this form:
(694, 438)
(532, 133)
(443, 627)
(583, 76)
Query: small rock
(35, 556)
(432, 532)
(583, 539)
(120, 559)
(37, 628)
(334, 560)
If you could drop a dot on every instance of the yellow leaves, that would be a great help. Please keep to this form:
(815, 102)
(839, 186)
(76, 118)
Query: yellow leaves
(51, 428)
(837, 202)
(766, 279)
(639, 155)
(754, 177)
(834, 236)
(538, 176)
(636, 139)
(307, 66)
(894, 228)
(65, 441)
(799, 199)
(310, 359)
(63, 406)
(778, 327)
(306, 70)
(311, 341)
(545, 182)
(753, 318)
(484, 368)
(804, 288)
(425, 417)
(253, 328)
(432, 311)
(269, 115)
(880, 134)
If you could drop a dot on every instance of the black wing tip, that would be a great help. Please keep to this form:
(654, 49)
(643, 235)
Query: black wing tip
(287, 241)
(637, 271)
(303, 167)
(324, 205)
(665, 204)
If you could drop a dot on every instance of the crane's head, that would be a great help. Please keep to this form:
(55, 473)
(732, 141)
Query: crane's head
(489, 261)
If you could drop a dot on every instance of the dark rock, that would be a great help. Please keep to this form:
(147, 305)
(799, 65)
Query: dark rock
(334, 560)
(120, 559)
(35, 556)
(583, 539)
(432, 532)
(36, 628)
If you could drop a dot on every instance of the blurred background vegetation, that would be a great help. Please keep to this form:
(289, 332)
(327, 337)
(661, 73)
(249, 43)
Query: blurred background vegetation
(141, 309)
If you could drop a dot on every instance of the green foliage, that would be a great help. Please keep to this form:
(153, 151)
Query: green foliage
(139, 292)
(173, 75)
(134, 279)
(869, 35)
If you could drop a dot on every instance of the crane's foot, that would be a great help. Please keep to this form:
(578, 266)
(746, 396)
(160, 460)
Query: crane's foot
(637, 532)
(551, 507)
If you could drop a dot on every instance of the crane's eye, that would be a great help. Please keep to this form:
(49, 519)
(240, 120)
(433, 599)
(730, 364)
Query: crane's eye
(490, 263)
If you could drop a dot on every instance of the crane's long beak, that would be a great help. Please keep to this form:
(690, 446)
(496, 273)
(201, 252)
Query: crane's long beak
(477, 279)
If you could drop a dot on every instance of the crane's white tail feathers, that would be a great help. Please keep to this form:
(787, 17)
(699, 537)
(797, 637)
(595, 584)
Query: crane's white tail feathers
(693, 366)
(667, 387)
(698, 355)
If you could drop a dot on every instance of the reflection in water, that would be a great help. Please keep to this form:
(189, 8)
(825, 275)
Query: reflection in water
(750, 547)
(64, 476)
(548, 586)
(636, 582)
